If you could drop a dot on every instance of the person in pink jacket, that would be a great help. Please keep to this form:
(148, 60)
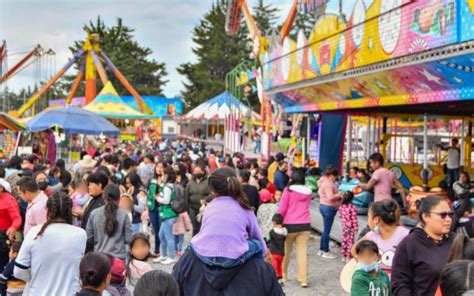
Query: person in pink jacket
(330, 200)
(294, 208)
(180, 227)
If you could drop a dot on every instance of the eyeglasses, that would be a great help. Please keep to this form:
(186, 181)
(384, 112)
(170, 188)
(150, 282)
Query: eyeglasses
(443, 215)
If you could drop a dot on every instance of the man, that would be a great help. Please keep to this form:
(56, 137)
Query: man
(10, 220)
(128, 166)
(382, 180)
(36, 199)
(274, 166)
(453, 164)
(281, 178)
(146, 168)
(250, 190)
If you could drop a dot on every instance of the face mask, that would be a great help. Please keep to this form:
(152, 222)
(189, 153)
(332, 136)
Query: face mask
(368, 267)
(376, 229)
(43, 185)
(198, 175)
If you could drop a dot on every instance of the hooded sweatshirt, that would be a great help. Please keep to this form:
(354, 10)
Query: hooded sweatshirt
(294, 207)
(418, 263)
(366, 284)
(253, 278)
(328, 193)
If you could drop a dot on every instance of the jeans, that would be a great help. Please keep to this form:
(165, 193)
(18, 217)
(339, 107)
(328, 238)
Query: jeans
(155, 223)
(328, 213)
(179, 240)
(167, 237)
(136, 227)
(256, 150)
(453, 176)
(255, 249)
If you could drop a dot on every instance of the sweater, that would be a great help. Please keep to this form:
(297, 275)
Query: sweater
(294, 207)
(366, 284)
(252, 278)
(418, 263)
(225, 229)
(113, 245)
(328, 193)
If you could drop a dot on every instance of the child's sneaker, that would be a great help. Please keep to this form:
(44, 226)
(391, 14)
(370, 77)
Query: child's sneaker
(281, 282)
(168, 261)
(328, 255)
(320, 253)
(159, 259)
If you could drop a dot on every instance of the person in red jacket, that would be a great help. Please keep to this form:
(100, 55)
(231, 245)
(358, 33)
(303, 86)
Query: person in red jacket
(10, 220)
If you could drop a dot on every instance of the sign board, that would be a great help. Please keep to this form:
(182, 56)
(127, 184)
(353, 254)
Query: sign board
(127, 137)
(25, 150)
(169, 127)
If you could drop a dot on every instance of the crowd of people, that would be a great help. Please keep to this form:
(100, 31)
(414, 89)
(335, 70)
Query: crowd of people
(96, 228)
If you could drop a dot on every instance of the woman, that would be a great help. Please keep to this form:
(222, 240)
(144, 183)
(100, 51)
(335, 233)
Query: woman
(463, 188)
(229, 237)
(152, 206)
(50, 255)
(330, 200)
(457, 278)
(10, 221)
(197, 190)
(108, 227)
(65, 177)
(294, 208)
(95, 273)
(386, 232)
(165, 199)
(422, 254)
(133, 180)
(181, 177)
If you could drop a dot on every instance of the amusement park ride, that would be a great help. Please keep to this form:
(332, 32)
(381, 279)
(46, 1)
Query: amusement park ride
(91, 57)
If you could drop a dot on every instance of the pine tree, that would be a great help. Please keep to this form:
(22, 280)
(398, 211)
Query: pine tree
(265, 16)
(217, 54)
(146, 75)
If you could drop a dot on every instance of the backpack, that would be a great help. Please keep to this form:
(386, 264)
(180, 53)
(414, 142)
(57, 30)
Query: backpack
(150, 198)
(179, 204)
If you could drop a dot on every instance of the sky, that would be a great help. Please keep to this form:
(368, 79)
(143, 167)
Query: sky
(165, 26)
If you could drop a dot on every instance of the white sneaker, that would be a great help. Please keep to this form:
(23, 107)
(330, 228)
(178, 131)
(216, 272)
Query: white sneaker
(168, 261)
(328, 255)
(159, 259)
(320, 253)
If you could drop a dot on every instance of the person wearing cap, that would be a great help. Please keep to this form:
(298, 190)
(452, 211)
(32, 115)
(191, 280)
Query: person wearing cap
(36, 199)
(274, 167)
(10, 220)
(117, 283)
(86, 164)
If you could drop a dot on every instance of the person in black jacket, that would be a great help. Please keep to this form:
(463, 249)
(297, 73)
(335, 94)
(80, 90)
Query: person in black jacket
(252, 278)
(96, 183)
(250, 190)
(422, 255)
(95, 274)
(276, 244)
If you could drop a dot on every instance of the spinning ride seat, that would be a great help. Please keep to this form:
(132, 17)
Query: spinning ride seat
(362, 199)
(417, 193)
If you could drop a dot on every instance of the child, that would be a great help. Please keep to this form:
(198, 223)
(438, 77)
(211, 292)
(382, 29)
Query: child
(228, 221)
(139, 251)
(79, 198)
(266, 210)
(117, 283)
(157, 282)
(126, 202)
(180, 227)
(8, 283)
(369, 279)
(278, 195)
(276, 244)
(348, 214)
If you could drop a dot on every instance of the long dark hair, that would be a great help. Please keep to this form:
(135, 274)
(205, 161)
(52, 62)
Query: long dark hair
(135, 180)
(171, 175)
(297, 178)
(425, 205)
(457, 277)
(224, 182)
(94, 269)
(59, 207)
(387, 210)
(111, 196)
(462, 248)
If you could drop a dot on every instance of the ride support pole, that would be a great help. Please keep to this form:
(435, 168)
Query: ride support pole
(425, 153)
(349, 143)
(462, 152)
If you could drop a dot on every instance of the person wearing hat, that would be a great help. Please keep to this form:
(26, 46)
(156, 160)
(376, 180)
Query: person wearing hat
(117, 282)
(274, 167)
(86, 164)
(10, 220)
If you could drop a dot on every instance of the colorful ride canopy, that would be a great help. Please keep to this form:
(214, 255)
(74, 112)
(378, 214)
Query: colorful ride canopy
(374, 54)
(219, 107)
(109, 104)
(9, 123)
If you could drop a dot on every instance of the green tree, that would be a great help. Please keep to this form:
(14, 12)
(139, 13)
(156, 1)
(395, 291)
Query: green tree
(265, 16)
(146, 75)
(217, 54)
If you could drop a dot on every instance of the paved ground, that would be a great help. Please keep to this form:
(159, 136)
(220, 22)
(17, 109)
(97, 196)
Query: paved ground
(323, 273)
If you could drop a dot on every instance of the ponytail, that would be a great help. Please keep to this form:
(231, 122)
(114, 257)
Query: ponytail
(111, 196)
(59, 210)
(224, 182)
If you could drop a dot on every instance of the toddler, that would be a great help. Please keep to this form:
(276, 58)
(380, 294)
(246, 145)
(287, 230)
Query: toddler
(80, 197)
(276, 244)
(8, 283)
(139, 251)
(348, 214)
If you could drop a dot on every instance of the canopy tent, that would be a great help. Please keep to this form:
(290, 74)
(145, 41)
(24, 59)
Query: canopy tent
(109, 104)
(72, 120)
(218, 108)
(10, 123)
